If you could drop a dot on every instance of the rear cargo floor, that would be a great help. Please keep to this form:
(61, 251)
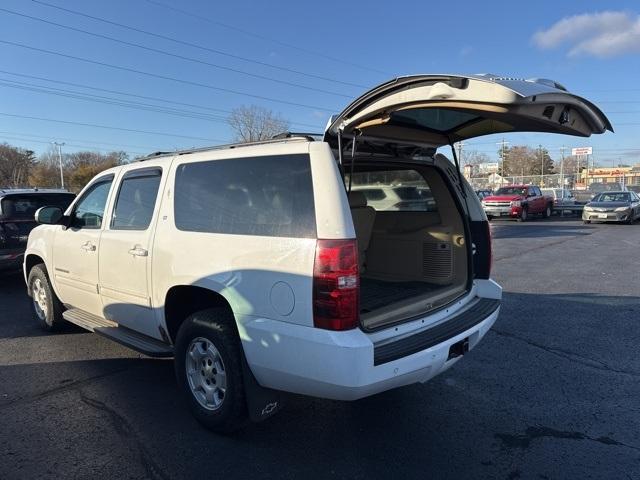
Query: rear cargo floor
(376, 294)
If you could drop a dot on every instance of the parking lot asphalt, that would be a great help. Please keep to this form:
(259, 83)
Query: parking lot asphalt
(551, 393)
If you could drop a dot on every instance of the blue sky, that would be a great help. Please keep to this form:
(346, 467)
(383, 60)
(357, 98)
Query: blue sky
(352, 45)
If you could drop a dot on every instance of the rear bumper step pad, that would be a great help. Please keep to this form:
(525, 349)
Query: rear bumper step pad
(393, 350)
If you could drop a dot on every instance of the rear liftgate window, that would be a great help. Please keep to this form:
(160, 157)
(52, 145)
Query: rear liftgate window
(268, 196)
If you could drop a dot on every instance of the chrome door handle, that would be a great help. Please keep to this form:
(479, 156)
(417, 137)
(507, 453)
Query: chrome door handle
(89, 247)
(138, 252)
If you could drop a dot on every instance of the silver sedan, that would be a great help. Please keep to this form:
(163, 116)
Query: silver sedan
(612, 207)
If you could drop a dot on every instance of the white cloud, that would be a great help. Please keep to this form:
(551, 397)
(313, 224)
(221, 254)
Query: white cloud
(604, 34)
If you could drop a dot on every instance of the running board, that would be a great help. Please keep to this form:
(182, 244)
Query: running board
(124, 336)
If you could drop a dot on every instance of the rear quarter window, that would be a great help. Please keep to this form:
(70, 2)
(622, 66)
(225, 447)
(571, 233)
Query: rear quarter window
(267, 196)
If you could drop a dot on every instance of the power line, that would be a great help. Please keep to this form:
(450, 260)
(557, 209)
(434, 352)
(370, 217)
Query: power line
(22, 134)
(110, 101)
(174, 55)
(201, 47)
(164, 77)
(68, 144)
(118, 92)
(261, 37)
(110, 127)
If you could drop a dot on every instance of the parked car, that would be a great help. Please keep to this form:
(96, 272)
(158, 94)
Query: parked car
(517, 201)
(17, 208)
(612, 207)
(597, 187)
(397, 197)
(259, 268)
(634, 188)
(562, 197)
(582, 197)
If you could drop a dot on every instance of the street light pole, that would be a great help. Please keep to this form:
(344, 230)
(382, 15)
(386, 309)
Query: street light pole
(562, 149)
(59, 145)
(504, 144)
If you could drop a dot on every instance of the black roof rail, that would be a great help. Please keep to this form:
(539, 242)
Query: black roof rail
(278, 139)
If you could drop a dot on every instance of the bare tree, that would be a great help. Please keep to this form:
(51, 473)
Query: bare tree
(15, 164)
(253, 123)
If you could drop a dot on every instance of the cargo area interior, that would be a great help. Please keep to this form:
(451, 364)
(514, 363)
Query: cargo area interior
(411, 241)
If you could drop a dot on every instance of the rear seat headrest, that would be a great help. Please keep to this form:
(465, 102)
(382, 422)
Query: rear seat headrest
(357, 199)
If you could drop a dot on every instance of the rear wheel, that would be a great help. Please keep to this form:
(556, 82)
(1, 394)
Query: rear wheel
(586, 222)
(489, 217)
(46, 306)
(547, 212)
(209, 369)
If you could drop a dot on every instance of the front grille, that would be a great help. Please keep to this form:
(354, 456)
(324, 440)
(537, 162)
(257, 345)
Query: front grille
(497, 204)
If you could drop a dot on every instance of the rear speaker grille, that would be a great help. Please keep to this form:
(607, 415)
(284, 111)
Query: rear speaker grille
(437, 260)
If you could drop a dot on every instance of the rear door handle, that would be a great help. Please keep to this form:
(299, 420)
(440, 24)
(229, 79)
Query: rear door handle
(89, 247)
(138, 251)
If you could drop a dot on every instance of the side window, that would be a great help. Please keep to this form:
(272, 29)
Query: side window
(270, 196)
(89, 210)
(136, 199)
(394, 190)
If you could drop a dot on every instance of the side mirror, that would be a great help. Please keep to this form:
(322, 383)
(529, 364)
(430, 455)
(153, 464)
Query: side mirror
(49, 215)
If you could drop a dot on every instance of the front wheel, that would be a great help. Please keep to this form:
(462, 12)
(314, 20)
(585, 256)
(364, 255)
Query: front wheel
(586, 222)
(209, 370)
(547, 212)
(46, 306)
(524, 215)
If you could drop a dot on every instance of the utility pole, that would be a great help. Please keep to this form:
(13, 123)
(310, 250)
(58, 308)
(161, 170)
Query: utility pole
(460, 145)
(541, 165)
(503, 144)
(59, 145)
(562, 149)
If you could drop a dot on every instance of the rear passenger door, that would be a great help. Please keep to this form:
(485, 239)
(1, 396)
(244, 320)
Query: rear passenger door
(125, 251)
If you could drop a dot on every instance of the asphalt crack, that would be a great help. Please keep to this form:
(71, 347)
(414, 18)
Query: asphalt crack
(62, 388)
(567, 355)
(524, 440)
(124, 429)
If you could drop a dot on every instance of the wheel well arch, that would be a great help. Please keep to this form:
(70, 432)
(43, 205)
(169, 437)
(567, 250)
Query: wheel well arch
(31, 261)
(184, 300)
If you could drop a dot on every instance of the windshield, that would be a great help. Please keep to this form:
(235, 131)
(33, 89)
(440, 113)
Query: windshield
(23, 207)
(511, 191)
(612, 197)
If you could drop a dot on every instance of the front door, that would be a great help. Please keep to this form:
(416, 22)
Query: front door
(125, 250)
(76, 248)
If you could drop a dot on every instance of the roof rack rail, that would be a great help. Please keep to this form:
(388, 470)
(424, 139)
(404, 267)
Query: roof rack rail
(284, 137)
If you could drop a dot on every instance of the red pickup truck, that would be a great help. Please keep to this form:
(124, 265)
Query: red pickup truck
(517, 201)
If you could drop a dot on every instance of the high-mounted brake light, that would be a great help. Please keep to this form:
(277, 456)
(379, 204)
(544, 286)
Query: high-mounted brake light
(336, 285)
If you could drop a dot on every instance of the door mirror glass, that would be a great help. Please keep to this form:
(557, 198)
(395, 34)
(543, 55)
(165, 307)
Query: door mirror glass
(48, 215)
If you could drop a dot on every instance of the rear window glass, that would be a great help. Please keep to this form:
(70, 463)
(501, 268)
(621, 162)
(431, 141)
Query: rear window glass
(270, 196)
(437, 119)
(23, 207)
(511, 191)
(394, 190)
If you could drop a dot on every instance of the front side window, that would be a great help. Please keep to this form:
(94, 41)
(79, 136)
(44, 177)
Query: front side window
(394, 190)
(269, 196)
(89, 210)
(136, 200)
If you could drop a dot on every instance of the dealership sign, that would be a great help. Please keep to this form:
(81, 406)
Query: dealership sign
(582, 151)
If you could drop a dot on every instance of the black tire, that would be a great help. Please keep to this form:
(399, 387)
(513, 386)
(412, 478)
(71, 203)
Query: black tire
(524, 215)
(586, 222)
(548, 211)
(46, 307)
(216, 326)
(489, 218)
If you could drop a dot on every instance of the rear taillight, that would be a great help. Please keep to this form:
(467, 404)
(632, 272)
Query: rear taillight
(336, 285)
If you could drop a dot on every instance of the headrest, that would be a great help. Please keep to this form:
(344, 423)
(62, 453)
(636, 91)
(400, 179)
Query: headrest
(357, 199)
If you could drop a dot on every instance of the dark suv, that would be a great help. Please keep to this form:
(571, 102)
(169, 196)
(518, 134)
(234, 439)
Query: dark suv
(17, 209)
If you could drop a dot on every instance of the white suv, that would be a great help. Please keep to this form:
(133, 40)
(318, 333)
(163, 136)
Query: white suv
(261, 268)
